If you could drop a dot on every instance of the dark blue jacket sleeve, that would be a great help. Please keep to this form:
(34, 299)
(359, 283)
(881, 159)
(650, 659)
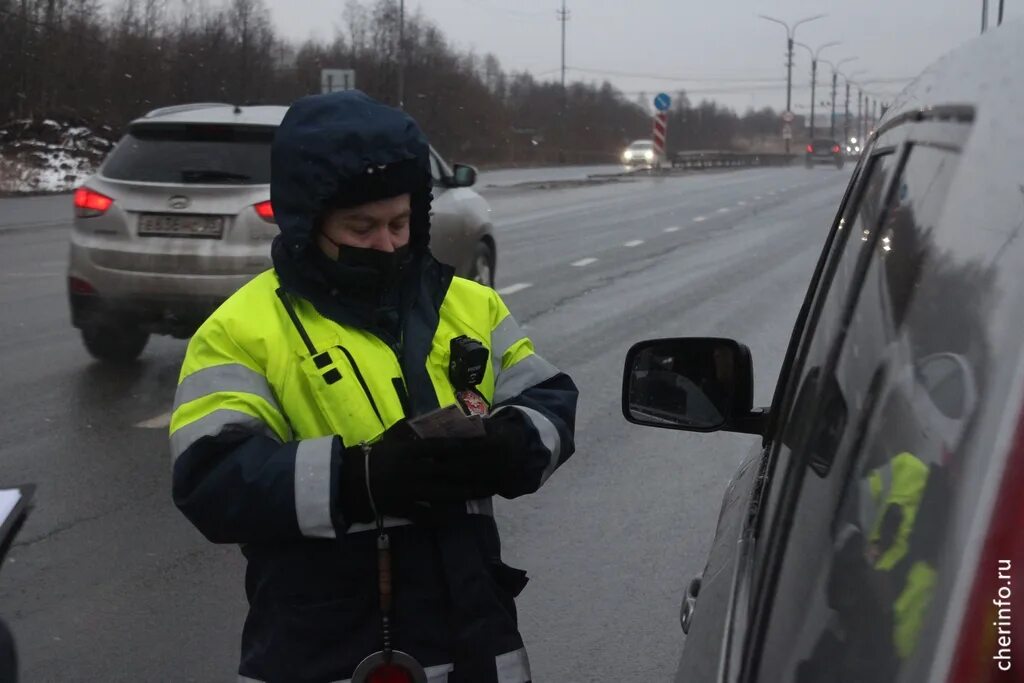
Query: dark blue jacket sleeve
(243, 487)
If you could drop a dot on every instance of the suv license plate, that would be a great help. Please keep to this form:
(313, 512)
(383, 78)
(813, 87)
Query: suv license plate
(179, 225)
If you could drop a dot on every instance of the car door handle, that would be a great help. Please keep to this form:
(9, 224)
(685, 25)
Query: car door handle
(689, 603)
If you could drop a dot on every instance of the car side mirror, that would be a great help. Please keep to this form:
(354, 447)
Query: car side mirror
(698, 384)
(463, 176)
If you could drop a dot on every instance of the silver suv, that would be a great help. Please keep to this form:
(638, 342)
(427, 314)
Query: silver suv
(178, 217)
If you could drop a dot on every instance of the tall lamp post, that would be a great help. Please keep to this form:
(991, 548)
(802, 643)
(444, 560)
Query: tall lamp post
(790, 33)
(814, 72)
(835, 74)
(401, 54)
(846, 125)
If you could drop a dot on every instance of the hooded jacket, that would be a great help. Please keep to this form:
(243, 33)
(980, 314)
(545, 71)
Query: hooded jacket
(258, 438)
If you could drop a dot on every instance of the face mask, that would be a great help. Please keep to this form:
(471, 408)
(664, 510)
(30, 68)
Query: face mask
(364, 273)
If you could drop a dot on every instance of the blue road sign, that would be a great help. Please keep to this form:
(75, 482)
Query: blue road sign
(662, 102)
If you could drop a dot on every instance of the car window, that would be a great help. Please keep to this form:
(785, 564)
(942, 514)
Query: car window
(861, 210)
(193, 153)
(642, 146)
(877, 462)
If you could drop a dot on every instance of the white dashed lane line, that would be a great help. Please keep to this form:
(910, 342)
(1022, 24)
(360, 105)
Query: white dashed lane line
(633, 243)
(700, 219)
(512, 289)
(674, 228)
(758, 197)
(741, 203)
(583, 262)
(724, 209)
(158, 422)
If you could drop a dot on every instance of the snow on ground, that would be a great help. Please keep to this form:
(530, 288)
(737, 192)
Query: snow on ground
(48, 156)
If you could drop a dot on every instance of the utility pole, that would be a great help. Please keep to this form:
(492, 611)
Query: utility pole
(401, 54)
(832, 123)
(835, 76)
(814, 80)
(790, 33)
(860, 116)
(563, 16)
(814, 73)
(984, 15)
(846, 116)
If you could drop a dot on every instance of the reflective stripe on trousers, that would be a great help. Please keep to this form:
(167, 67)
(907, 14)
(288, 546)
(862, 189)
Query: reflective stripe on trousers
(512, 667)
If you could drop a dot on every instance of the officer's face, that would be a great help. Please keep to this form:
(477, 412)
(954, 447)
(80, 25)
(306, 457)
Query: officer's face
(382, 225)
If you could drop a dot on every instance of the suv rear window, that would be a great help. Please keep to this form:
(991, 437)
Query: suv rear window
(193, 153)
(824, 144)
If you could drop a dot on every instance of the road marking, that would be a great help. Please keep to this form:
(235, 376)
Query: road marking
(633, 243)
(27, 276)
(674, 228)
(741, 203)
(757, 198)
(700, 219)
(583, 262)
(158, 422)
(724, 209)
(518, 287)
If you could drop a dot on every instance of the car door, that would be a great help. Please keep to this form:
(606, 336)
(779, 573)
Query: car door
(714, 644)
(447, 224)
(873, 436)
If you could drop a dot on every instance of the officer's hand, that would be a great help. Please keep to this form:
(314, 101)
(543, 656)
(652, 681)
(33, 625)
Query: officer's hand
(479, 467)
(404, 471)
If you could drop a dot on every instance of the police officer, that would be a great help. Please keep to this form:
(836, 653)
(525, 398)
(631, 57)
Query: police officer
(291, 437)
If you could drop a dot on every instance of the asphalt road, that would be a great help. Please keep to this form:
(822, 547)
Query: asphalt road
(109, 583)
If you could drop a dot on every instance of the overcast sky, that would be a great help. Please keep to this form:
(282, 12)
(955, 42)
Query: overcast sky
(710, 44)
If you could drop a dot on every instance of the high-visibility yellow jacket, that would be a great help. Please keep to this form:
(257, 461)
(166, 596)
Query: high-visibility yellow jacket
(265, 405)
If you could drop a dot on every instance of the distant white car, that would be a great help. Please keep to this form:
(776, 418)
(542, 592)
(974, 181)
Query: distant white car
(641, 153)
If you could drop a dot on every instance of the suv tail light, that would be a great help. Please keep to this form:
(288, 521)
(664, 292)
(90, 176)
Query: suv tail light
(810, 149)
(265, 211)
(79, 286)
(986, 649)
(835, 150)
(89, 203)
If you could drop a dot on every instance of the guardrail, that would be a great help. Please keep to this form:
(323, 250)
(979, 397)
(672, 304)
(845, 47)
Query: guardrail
(717, 159)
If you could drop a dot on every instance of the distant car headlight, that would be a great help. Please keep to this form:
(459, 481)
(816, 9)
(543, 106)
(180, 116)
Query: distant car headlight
(649, 155)
(627, 155)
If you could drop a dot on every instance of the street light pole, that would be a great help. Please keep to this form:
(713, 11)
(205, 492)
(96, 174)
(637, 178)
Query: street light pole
(401, 54)
(835, 74)
(846, 116)
(860, 115)
(814, 73)
(790, 33)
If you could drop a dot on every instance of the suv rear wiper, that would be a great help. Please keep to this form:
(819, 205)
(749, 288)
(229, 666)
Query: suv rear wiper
(199, 175)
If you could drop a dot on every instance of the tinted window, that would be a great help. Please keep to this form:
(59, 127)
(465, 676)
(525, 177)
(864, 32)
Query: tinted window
(642, 145)
(863, 556)
(202, 154)
(824, 144)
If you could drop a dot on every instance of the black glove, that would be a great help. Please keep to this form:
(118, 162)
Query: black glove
(405, 472)
(485, 466)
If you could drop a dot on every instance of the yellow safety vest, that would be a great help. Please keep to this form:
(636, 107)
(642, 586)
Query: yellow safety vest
(248, 365)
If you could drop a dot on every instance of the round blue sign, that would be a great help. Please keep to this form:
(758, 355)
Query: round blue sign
(662, 102)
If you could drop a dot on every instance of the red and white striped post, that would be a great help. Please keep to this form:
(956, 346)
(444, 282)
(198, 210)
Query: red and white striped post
(660, 129)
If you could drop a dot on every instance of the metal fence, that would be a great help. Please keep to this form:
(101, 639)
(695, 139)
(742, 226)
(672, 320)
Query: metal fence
(718, 159)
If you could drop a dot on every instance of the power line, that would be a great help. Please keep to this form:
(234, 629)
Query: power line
(656, 77)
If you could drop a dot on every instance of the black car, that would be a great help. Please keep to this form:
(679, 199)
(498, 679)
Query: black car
(874, 533)
(824, 151)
